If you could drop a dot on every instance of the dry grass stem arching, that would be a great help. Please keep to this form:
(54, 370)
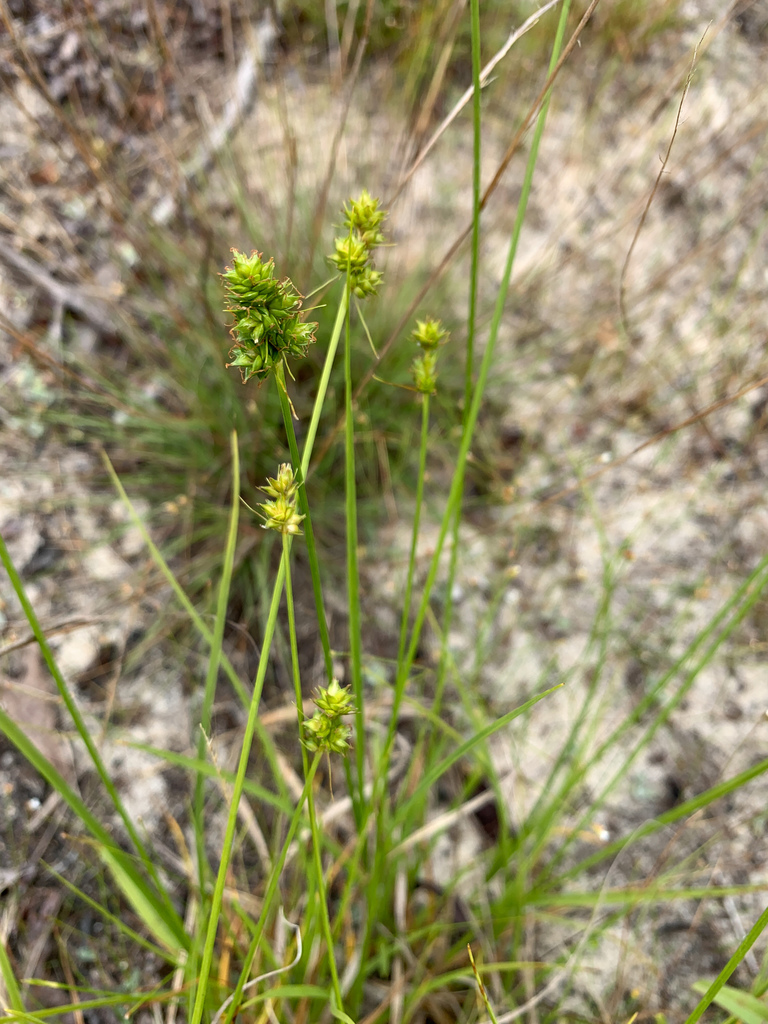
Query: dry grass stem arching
(461, 238)
(652, 195)
(485, 74)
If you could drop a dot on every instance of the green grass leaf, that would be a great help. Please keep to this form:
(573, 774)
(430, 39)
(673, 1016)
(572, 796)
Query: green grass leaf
(167, 928)
(12, 992)
(742, 1005)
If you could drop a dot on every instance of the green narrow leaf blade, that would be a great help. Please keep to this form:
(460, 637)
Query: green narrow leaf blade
(744, 1005)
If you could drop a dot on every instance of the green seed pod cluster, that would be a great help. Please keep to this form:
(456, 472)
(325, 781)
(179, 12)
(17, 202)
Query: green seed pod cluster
(364, 217)
(280, 511)
(269, 324)
(424, 373)
(354, 252)
(325, 730)
(428, 334)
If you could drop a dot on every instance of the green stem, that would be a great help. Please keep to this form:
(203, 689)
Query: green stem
(323, 386)
(271, 891)
(237, 791)
(474, 12)
(309, 534)
(743, 948)
(416, 521)
(213, 669)
(317, 852)
(323, 897)
(308, 447)
(445, 660)
(453, 507)
(353, 576)
(294, 652)
(457, 484)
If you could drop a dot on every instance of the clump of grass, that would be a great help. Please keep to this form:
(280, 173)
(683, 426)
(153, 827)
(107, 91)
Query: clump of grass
(347, 889)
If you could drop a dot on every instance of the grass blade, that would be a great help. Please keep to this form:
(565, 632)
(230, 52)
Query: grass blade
(168, 929)
(742, 1005)
(82, 729)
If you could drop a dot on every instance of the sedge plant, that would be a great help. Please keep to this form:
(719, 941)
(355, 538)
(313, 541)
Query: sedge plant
(342, 889)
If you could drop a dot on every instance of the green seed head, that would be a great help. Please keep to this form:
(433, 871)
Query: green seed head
(334, 700)
(351, 255)
(364, 217)
(280, 512)
(325, 730)
(429, 334)
(284, 484)
(353, 252)
(268, 322)
(424, 370)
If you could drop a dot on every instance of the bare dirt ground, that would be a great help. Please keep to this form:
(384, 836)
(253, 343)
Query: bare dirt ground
(577, 389)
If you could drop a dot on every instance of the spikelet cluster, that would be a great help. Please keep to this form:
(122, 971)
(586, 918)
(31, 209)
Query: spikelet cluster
(325, 730)
(269, 324)
(428, 334)
(280, 511)
(353, 253)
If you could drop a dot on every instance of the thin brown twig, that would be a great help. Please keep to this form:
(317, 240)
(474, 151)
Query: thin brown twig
(624, 320)
(54, 630)
(623, 316)
(465, 233)
(485, 74)
(70, 296)
(660, 436)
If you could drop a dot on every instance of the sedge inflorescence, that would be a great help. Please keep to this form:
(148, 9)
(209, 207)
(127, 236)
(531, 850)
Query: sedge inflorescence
(269, 324)
(280, 511)
(354, 251)
(325, 730)
(428, 334)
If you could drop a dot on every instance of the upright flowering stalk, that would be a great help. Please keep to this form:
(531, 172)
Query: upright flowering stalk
(353, 258)
(269, 324)
(428, 334)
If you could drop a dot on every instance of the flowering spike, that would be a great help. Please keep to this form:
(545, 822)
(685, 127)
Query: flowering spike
(353, 252)
(268, 323)
(429, 333)
(325, 730)
(364, 217)
(280, 512)
(424, 370)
